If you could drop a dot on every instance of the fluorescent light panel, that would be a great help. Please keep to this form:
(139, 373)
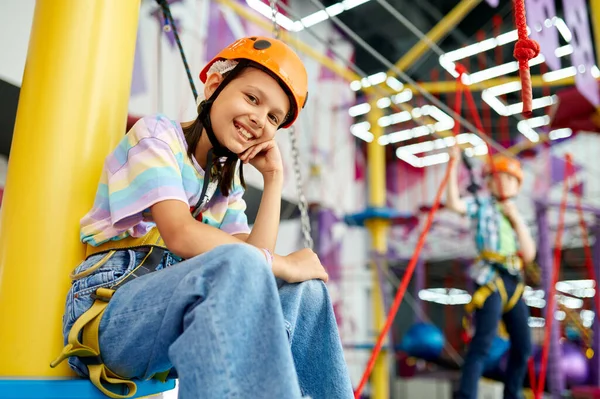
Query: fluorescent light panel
(309, 20)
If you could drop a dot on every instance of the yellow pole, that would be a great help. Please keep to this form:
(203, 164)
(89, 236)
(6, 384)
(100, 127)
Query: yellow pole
(72, 111)
(438, 32)
(378, 229)
(595, 17)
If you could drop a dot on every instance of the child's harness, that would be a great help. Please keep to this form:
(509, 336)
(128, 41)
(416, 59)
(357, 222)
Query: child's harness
(87, 325)
(497, 284)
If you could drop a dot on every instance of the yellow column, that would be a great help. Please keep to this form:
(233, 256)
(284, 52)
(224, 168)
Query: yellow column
(595, 17)
(72, 111)
(378, 229)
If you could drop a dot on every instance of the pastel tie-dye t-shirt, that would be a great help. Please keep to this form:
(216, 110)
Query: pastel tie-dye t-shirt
(150, 165)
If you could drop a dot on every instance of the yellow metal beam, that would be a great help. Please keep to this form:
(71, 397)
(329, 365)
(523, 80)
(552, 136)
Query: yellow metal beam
(449, 86)
(379, 231)
(72, 111)
(528, 145)
(445, 25)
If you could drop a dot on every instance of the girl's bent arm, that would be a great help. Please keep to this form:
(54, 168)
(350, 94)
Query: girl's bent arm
(186, 237)
(266, 225)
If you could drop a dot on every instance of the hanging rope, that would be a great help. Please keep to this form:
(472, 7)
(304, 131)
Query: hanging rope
(169, 25)
(525, 50)
(411, 266)
(413, 261)
(460, 88)
(405, 280)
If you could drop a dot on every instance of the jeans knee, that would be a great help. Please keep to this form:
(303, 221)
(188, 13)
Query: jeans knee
(243, 262)
(314, 294)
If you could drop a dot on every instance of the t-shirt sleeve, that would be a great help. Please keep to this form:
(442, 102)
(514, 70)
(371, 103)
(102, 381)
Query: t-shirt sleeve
(150, 174)
(235, 220)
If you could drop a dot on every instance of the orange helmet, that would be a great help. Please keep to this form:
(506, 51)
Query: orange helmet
(276, 57)
(504, 164)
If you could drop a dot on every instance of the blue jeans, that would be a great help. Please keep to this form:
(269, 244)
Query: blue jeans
(486, 326)
(221, 320)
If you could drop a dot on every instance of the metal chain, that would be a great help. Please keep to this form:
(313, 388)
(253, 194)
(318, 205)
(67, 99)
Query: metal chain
(302, 202)
(274, 18)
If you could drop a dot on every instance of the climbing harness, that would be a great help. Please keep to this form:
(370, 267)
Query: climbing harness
(87, 325)
(496, 285)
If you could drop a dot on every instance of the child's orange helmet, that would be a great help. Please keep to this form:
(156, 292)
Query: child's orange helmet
(504, 164)
(276, 57)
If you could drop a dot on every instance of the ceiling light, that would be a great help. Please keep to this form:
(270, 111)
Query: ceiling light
(407, 153)
(559, 74)
(560, 133)
(359, 109)
(309, 20)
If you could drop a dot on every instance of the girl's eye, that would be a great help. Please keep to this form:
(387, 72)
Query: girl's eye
(273, 119)
(252, 99)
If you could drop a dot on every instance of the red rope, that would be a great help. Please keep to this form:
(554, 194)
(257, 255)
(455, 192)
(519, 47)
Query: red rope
(531, 368)
(525, 50)
(555, 272)
(479, 125)
(460, 88)
(413, 262)
(404, 284)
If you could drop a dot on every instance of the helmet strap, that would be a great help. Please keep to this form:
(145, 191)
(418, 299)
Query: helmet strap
(218, 150)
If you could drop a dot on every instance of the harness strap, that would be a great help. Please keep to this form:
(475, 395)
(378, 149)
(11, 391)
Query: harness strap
(89, 352)
(501, 288)
(150, 239)
(515, 297)
(88, 324)
(482, 294)
(494, 257)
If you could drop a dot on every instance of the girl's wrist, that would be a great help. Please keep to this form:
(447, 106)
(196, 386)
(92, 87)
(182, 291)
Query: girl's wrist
(274, 176)
(268, 256)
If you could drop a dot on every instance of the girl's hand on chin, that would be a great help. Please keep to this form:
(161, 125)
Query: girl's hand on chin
(265, 157)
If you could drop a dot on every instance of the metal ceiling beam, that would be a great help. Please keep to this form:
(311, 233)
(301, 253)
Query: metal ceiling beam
(449, 86)
(438, 32)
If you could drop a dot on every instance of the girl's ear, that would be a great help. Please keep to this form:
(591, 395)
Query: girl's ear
(212, 82)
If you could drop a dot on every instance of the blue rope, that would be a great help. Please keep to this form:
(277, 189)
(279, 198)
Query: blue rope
(169, 21)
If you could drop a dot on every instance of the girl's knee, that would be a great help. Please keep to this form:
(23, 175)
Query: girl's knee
(235, 260)
(245, 264)
(314, 293)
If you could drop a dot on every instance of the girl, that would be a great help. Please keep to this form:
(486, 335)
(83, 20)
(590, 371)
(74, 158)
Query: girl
(190, 288)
